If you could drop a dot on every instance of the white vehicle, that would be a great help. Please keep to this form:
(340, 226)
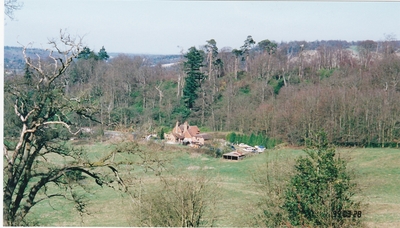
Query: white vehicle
(260, 149)
(250, 149)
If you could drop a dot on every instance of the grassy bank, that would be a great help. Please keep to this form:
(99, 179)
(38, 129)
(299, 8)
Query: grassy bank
(377, 173)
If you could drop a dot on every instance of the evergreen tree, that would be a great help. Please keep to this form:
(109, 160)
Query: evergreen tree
(212, 54)
(321, 190)
(103, 54)
(231, 137)
(161, 134)
(260, 140)
(268, 46)
(252, 140)
(86, 53)
(194, 76)
(238, 138)
(247, 46)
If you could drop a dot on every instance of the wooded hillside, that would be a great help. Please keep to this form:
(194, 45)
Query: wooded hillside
(285, 90)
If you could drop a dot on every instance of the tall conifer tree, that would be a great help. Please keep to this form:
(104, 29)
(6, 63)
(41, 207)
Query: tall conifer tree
(193, 76)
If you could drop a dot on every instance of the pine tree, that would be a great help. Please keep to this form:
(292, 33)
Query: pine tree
(86, 53)
(231, 137)
(102, 55)
(194, 76)
(252, 140)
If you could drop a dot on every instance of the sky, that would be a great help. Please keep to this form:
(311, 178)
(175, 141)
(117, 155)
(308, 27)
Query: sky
(169, 27)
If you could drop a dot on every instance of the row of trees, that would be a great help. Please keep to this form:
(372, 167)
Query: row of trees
(252, 139)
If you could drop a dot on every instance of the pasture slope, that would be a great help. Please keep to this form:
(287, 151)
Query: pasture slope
(377, 171)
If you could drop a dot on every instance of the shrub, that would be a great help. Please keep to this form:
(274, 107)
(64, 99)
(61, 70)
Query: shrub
(325, 73)
(161, 133)
(321, 189)
(180, 201)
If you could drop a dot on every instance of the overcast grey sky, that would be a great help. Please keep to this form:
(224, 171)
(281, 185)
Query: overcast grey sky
(166, 27)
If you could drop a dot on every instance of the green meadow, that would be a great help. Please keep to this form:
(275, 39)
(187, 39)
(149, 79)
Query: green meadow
(377, 173)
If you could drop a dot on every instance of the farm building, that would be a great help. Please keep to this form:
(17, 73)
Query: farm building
(234, 155)
(187, 134)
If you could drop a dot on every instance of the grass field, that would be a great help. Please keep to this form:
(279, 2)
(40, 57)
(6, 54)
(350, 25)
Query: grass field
(377, 171)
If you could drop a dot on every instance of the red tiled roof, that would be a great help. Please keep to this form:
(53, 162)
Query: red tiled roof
(204, 136)
(187, 134)
(179, 136)
(193, 130)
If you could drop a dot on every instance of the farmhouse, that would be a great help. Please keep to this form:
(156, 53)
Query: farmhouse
(186, 134)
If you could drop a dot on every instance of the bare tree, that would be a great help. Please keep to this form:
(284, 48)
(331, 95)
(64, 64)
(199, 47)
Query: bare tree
(365, 50)
(32, 162)
(237, 54)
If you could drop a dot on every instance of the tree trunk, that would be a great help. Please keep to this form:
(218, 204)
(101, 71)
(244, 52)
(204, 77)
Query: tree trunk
(203, 106)
(236, 67)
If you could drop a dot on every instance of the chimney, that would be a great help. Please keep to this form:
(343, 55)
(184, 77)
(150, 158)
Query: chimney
(176, 127)
(185, 126)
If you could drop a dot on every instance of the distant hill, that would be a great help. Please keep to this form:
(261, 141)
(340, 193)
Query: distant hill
(13, 58)
(14, 61)
(153, 58)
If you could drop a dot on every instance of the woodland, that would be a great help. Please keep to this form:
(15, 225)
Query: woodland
(319, 94)
(282, 90)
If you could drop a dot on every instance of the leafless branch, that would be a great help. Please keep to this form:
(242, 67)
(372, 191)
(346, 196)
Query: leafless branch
(73, 48)
(77, 99)
(63, 123)
(50, 196)
(55, 61)
(10, 6)
(28, 60)
(6, 155)
(120, 181)
(23, 118)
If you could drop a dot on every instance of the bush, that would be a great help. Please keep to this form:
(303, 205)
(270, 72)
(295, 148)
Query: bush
(277, 84)
(325, 73)
(180, 201)
(321, 188)
(161, 134)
